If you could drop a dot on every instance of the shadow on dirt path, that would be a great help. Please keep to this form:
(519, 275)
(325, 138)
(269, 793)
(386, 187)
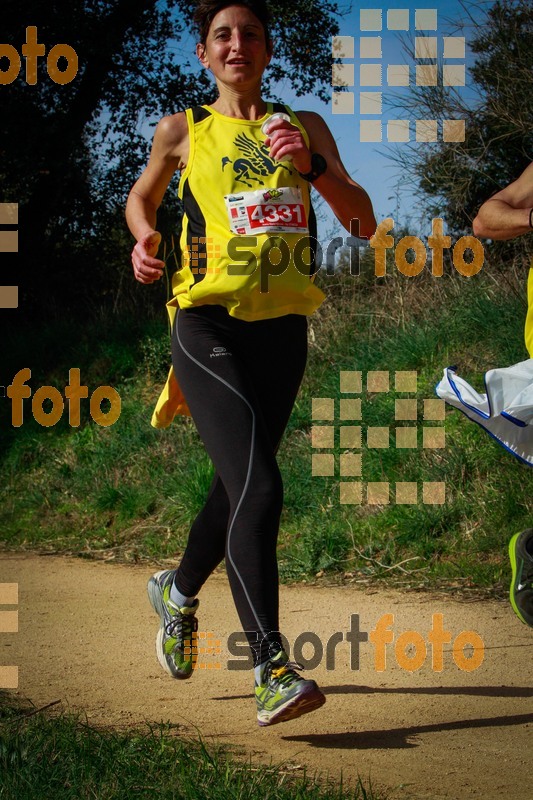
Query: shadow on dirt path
(87, 633)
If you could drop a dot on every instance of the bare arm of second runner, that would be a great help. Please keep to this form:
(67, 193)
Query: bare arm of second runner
(507, 214)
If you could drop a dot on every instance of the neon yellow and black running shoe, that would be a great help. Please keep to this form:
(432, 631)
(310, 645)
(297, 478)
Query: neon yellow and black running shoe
(521, 593)
(283, 694)
(176, 643)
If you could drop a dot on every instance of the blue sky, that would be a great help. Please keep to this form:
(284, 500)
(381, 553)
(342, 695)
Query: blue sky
(368, 162)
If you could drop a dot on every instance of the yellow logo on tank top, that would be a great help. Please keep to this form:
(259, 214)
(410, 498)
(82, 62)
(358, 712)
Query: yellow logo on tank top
(255, 162)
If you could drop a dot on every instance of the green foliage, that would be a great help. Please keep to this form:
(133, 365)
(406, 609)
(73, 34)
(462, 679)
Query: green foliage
(130, 492)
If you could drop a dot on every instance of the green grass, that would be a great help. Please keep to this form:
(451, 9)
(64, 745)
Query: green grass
(130, 492)
(62, 757)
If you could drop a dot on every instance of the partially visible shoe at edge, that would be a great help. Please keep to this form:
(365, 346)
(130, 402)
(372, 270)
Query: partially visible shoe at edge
(176, 643)
(283, 694)
(521, 593)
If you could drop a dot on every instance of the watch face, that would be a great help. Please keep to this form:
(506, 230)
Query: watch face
(318, 164)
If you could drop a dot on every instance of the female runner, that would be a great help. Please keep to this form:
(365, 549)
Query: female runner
(239, 327)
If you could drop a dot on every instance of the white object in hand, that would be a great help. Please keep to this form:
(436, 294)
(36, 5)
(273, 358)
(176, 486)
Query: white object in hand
(266, 123)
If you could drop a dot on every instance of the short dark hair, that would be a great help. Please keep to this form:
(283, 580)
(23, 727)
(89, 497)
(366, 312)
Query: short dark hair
(206, 11)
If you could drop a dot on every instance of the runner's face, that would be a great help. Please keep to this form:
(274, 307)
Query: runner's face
(235, 51)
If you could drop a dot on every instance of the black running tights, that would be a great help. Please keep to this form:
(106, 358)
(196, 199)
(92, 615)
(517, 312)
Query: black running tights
(240, 380)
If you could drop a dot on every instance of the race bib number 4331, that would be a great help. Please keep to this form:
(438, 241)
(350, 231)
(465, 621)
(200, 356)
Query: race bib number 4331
(278, 210)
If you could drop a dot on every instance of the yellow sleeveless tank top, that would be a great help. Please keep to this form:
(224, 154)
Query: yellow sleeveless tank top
(529, 317)
(234, 204)
(245, 231)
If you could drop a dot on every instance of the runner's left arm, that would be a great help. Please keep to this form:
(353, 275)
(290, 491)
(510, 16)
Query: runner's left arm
(346, 198)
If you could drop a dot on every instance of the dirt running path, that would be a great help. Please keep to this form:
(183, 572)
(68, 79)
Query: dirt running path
(86, 636)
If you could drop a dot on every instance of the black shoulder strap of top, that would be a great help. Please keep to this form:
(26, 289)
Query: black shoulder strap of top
(279, 108)
(199, 113)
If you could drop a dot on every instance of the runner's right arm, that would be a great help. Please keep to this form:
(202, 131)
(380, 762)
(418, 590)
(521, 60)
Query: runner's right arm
(169, 153)
(507, 214)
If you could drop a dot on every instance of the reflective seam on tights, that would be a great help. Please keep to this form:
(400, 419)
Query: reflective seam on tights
(250, 461)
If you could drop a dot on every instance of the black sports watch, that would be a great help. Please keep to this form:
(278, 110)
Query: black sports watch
(318, 166)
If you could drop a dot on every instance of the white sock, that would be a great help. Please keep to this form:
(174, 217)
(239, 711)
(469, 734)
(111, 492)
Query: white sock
(180, 599)
(258, 671)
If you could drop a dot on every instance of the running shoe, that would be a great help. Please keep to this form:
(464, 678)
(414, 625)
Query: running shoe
(283, 694)
(176, 643)
(521, 593)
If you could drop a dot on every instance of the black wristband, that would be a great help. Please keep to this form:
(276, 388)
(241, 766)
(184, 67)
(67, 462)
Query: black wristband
(531, 217)
(318, 167)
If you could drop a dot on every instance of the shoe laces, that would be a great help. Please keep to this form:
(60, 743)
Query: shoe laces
(285, 674)
(182, 626)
